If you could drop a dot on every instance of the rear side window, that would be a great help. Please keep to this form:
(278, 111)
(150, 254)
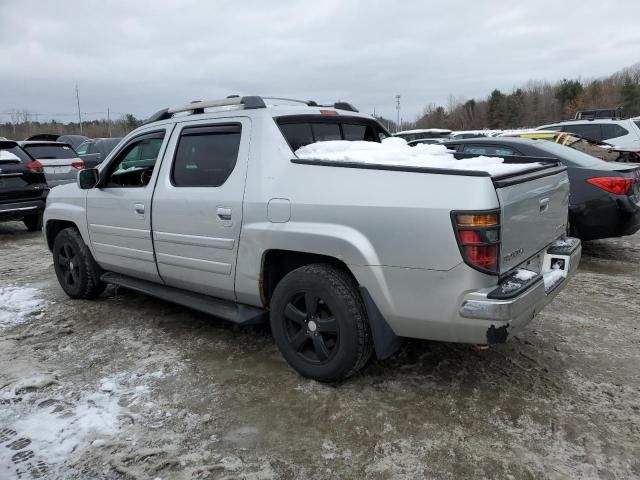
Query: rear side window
(590, 130)
(611, 130)
(206, 156)
(45, 152)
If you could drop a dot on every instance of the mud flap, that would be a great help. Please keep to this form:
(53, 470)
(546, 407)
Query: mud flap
(385, 341)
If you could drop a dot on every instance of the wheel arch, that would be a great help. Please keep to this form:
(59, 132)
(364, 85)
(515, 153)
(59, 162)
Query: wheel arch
(53, 227)
(276, 263)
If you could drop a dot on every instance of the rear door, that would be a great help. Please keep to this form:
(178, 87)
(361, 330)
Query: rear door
(533, 214)
(119, 209)
(197, 205)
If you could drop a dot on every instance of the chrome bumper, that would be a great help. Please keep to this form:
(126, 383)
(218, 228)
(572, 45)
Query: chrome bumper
(521, 309)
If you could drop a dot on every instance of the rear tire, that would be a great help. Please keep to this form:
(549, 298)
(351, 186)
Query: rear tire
(33, 222)
(77, 271)
(319, 323)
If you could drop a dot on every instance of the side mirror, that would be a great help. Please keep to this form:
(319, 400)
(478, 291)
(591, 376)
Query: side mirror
(88, 178)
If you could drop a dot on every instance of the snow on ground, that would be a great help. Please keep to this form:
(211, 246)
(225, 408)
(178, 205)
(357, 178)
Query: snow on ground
(17, 304)
(395, 151)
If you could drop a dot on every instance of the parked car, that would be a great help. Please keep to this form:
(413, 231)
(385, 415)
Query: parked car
(461, 134)
(23, 189)
(619, 132)
(605, 196)
(602, 150)
(61, 162)
(423, 133)
(212, 209)
(94, 151)
(73, 140)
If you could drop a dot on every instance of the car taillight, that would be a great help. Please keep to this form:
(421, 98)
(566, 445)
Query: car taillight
(616, 185)
(478, 235)
(35, 166)
(79, 165)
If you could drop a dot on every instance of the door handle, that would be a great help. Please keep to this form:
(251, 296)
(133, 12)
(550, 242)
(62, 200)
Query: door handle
(224, 213)
(139, 208)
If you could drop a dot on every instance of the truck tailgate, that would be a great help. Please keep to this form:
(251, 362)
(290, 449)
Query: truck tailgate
(533, 212)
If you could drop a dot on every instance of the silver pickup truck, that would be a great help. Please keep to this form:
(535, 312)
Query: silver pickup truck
(208, 206)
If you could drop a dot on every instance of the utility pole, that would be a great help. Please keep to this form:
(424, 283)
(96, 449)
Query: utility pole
(79, 115)
(397, 113)
(109, 122)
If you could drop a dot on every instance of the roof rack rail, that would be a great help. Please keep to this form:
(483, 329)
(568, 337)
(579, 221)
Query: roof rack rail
(248, 102)
(198, 106)
(608, 113)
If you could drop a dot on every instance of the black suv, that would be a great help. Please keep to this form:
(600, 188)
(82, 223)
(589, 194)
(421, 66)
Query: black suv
(23, 188)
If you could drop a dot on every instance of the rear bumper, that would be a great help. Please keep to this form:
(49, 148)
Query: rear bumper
(611, 216)
(507, 315)
(18, 210)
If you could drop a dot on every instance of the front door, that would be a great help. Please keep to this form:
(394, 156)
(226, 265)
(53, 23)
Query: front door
(197, 205)
(119, 208)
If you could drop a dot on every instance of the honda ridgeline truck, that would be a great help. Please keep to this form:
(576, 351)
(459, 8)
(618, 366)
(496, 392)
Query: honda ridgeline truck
(208, 206)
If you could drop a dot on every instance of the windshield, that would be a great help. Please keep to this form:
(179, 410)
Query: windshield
(50, 151)
(570, 156)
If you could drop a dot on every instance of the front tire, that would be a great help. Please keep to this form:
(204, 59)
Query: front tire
(319, 323)
(33, 222)
(77, 271)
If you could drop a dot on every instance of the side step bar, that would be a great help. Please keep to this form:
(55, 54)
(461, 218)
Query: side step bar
(224, 309)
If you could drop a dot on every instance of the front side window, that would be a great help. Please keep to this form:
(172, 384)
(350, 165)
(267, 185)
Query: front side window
(206, 156)
(134, 166)
(82, 148)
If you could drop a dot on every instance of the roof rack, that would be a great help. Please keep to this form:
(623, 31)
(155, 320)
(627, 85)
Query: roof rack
(608, 113)
(248, 102)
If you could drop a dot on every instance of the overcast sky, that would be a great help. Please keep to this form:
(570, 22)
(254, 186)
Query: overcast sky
(141, 56)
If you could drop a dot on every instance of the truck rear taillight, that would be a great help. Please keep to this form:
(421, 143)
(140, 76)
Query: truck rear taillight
(35, 166)
(615, 185)
(478, 236)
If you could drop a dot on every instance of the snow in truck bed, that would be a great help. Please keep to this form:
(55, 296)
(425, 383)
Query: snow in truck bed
(395, 151)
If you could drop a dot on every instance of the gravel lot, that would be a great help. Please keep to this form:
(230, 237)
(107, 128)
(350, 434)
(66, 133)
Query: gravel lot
(128, 386)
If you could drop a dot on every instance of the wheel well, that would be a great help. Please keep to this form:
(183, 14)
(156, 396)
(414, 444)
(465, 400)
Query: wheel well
(54, 227)
(277, 263)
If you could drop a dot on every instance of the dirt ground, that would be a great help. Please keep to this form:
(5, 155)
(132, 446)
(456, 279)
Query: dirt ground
(128, 386)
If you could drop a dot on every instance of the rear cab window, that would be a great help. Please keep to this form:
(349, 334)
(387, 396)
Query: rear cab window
(302, 130)
(45, 152)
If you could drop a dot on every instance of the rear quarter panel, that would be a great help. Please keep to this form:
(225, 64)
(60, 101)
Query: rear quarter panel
(362, 217)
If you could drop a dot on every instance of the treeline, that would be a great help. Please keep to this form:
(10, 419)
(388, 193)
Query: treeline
(537, 103)
(23, 125)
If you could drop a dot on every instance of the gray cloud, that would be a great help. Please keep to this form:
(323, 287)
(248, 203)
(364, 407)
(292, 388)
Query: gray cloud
(141, 56)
